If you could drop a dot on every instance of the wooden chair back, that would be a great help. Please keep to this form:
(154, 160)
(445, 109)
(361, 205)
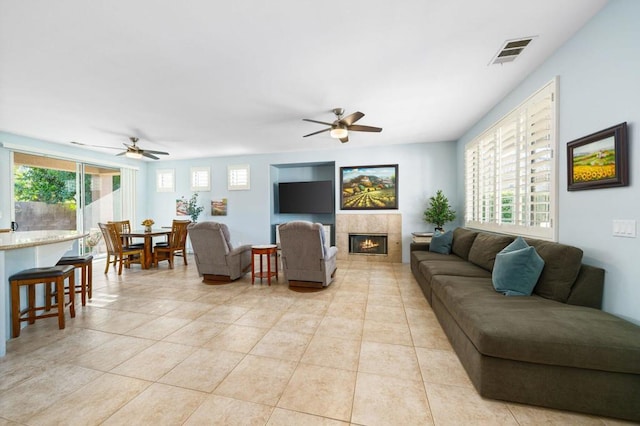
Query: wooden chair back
(123, 227)
(179, 234)
(116, 247)
(177, 243)
(108, 241)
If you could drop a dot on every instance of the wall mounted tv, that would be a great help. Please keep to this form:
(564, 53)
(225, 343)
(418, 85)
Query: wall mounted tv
(306, 197)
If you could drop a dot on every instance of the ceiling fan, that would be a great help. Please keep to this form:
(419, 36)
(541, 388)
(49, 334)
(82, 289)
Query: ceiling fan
(132, 151)
(340, 128)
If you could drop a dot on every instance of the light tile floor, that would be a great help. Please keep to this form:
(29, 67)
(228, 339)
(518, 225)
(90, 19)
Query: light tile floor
(160, 347)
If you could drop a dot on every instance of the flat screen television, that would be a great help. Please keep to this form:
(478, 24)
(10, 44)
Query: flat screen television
(306, 197)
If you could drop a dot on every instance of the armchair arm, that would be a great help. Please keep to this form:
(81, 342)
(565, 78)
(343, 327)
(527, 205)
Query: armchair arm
(240, 249)
(331, 252)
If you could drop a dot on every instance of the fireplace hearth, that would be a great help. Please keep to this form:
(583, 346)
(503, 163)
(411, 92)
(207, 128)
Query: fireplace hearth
(375, 244)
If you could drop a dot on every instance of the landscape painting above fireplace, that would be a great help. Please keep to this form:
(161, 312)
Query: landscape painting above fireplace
(369, 187)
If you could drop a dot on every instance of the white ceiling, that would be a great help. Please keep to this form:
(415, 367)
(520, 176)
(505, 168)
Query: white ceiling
(211, 78)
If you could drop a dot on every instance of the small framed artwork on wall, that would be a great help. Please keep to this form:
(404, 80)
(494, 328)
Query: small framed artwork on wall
(598, 160)
(219, 207)
(369, 187)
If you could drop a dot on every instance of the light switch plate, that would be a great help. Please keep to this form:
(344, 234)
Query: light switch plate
(624, 228)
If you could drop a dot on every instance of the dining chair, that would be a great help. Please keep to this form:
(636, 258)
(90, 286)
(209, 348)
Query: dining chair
(124, 227)
(175, 245)
(123, 255)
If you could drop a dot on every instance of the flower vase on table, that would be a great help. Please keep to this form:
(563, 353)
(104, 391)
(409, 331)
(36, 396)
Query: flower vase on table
(147, 223)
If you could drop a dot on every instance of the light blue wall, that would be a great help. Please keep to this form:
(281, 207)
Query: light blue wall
(599, 86)
(423, 169)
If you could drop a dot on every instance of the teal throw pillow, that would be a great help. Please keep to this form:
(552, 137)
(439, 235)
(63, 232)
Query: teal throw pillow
(441, 242)
(517, 269)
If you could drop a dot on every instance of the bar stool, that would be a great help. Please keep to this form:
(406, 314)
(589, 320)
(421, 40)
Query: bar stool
(85, 263)
(33, 276)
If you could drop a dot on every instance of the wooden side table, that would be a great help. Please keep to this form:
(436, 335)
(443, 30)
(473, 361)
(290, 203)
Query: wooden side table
(268, 250)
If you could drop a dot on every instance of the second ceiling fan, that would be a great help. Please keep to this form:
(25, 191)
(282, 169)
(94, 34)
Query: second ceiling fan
(342, 125)
(131, 151)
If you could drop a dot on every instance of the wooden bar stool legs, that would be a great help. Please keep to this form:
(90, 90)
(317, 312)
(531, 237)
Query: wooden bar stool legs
(46, 276)
(85, 264)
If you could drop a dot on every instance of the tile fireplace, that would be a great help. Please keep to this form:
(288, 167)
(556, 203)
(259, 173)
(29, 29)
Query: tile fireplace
(351, 227)
(368, 243)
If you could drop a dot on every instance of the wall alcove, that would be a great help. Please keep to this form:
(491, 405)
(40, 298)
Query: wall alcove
(301, 172)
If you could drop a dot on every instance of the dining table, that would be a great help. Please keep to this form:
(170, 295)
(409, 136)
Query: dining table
(148, 241)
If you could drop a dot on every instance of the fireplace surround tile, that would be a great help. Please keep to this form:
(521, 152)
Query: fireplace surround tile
(390, 224)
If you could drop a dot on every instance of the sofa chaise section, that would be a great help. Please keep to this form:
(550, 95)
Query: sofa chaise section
(555, 348)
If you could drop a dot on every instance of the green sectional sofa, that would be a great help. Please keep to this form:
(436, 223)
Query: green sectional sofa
(555, 348)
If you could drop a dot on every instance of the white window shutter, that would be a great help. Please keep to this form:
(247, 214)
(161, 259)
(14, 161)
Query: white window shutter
(510, 171)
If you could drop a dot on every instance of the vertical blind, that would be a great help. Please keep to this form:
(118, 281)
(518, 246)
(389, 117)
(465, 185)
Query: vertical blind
(510, 171)
(128, 191)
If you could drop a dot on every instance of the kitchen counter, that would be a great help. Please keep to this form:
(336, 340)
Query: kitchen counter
(16, 240)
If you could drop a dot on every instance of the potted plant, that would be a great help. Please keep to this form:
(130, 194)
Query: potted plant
(192, 208)
(439, 211)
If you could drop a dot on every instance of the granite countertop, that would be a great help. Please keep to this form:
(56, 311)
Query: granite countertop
(16, 240)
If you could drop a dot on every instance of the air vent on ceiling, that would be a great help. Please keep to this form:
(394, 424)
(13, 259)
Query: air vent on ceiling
(510, 50)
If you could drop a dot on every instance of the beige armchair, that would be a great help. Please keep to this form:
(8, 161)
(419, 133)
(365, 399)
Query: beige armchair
(216, 259)
(307, 259)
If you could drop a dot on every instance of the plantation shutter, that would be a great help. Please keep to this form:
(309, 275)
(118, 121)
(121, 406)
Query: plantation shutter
(510, 171)
(238, 177)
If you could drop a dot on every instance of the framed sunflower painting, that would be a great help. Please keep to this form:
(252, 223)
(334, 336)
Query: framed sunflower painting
(598, 160)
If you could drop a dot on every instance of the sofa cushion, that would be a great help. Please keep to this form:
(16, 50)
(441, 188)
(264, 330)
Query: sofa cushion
(430, 268)
(517, 269)
(561, 268)
(441, 242)
(419, 256)
(538, 330)
(485, 247)
(462, 241)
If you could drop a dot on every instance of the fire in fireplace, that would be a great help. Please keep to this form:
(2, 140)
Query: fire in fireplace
(368, 243)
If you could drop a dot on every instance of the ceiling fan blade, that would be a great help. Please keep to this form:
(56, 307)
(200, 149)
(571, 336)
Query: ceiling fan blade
(358, 128)
(345, 139)
(316, 121)
(156, 152)
(319, 131)
(146, 154)
(122, 153)
(352, 118)
(93, 146)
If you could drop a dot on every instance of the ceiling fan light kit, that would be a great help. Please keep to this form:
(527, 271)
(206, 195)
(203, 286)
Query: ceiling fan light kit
(340, 127)
(339, 132)
(134, 155)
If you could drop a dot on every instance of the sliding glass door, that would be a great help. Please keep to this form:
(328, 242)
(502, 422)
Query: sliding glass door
(101, 202)
(44, 193)
(57, 194)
